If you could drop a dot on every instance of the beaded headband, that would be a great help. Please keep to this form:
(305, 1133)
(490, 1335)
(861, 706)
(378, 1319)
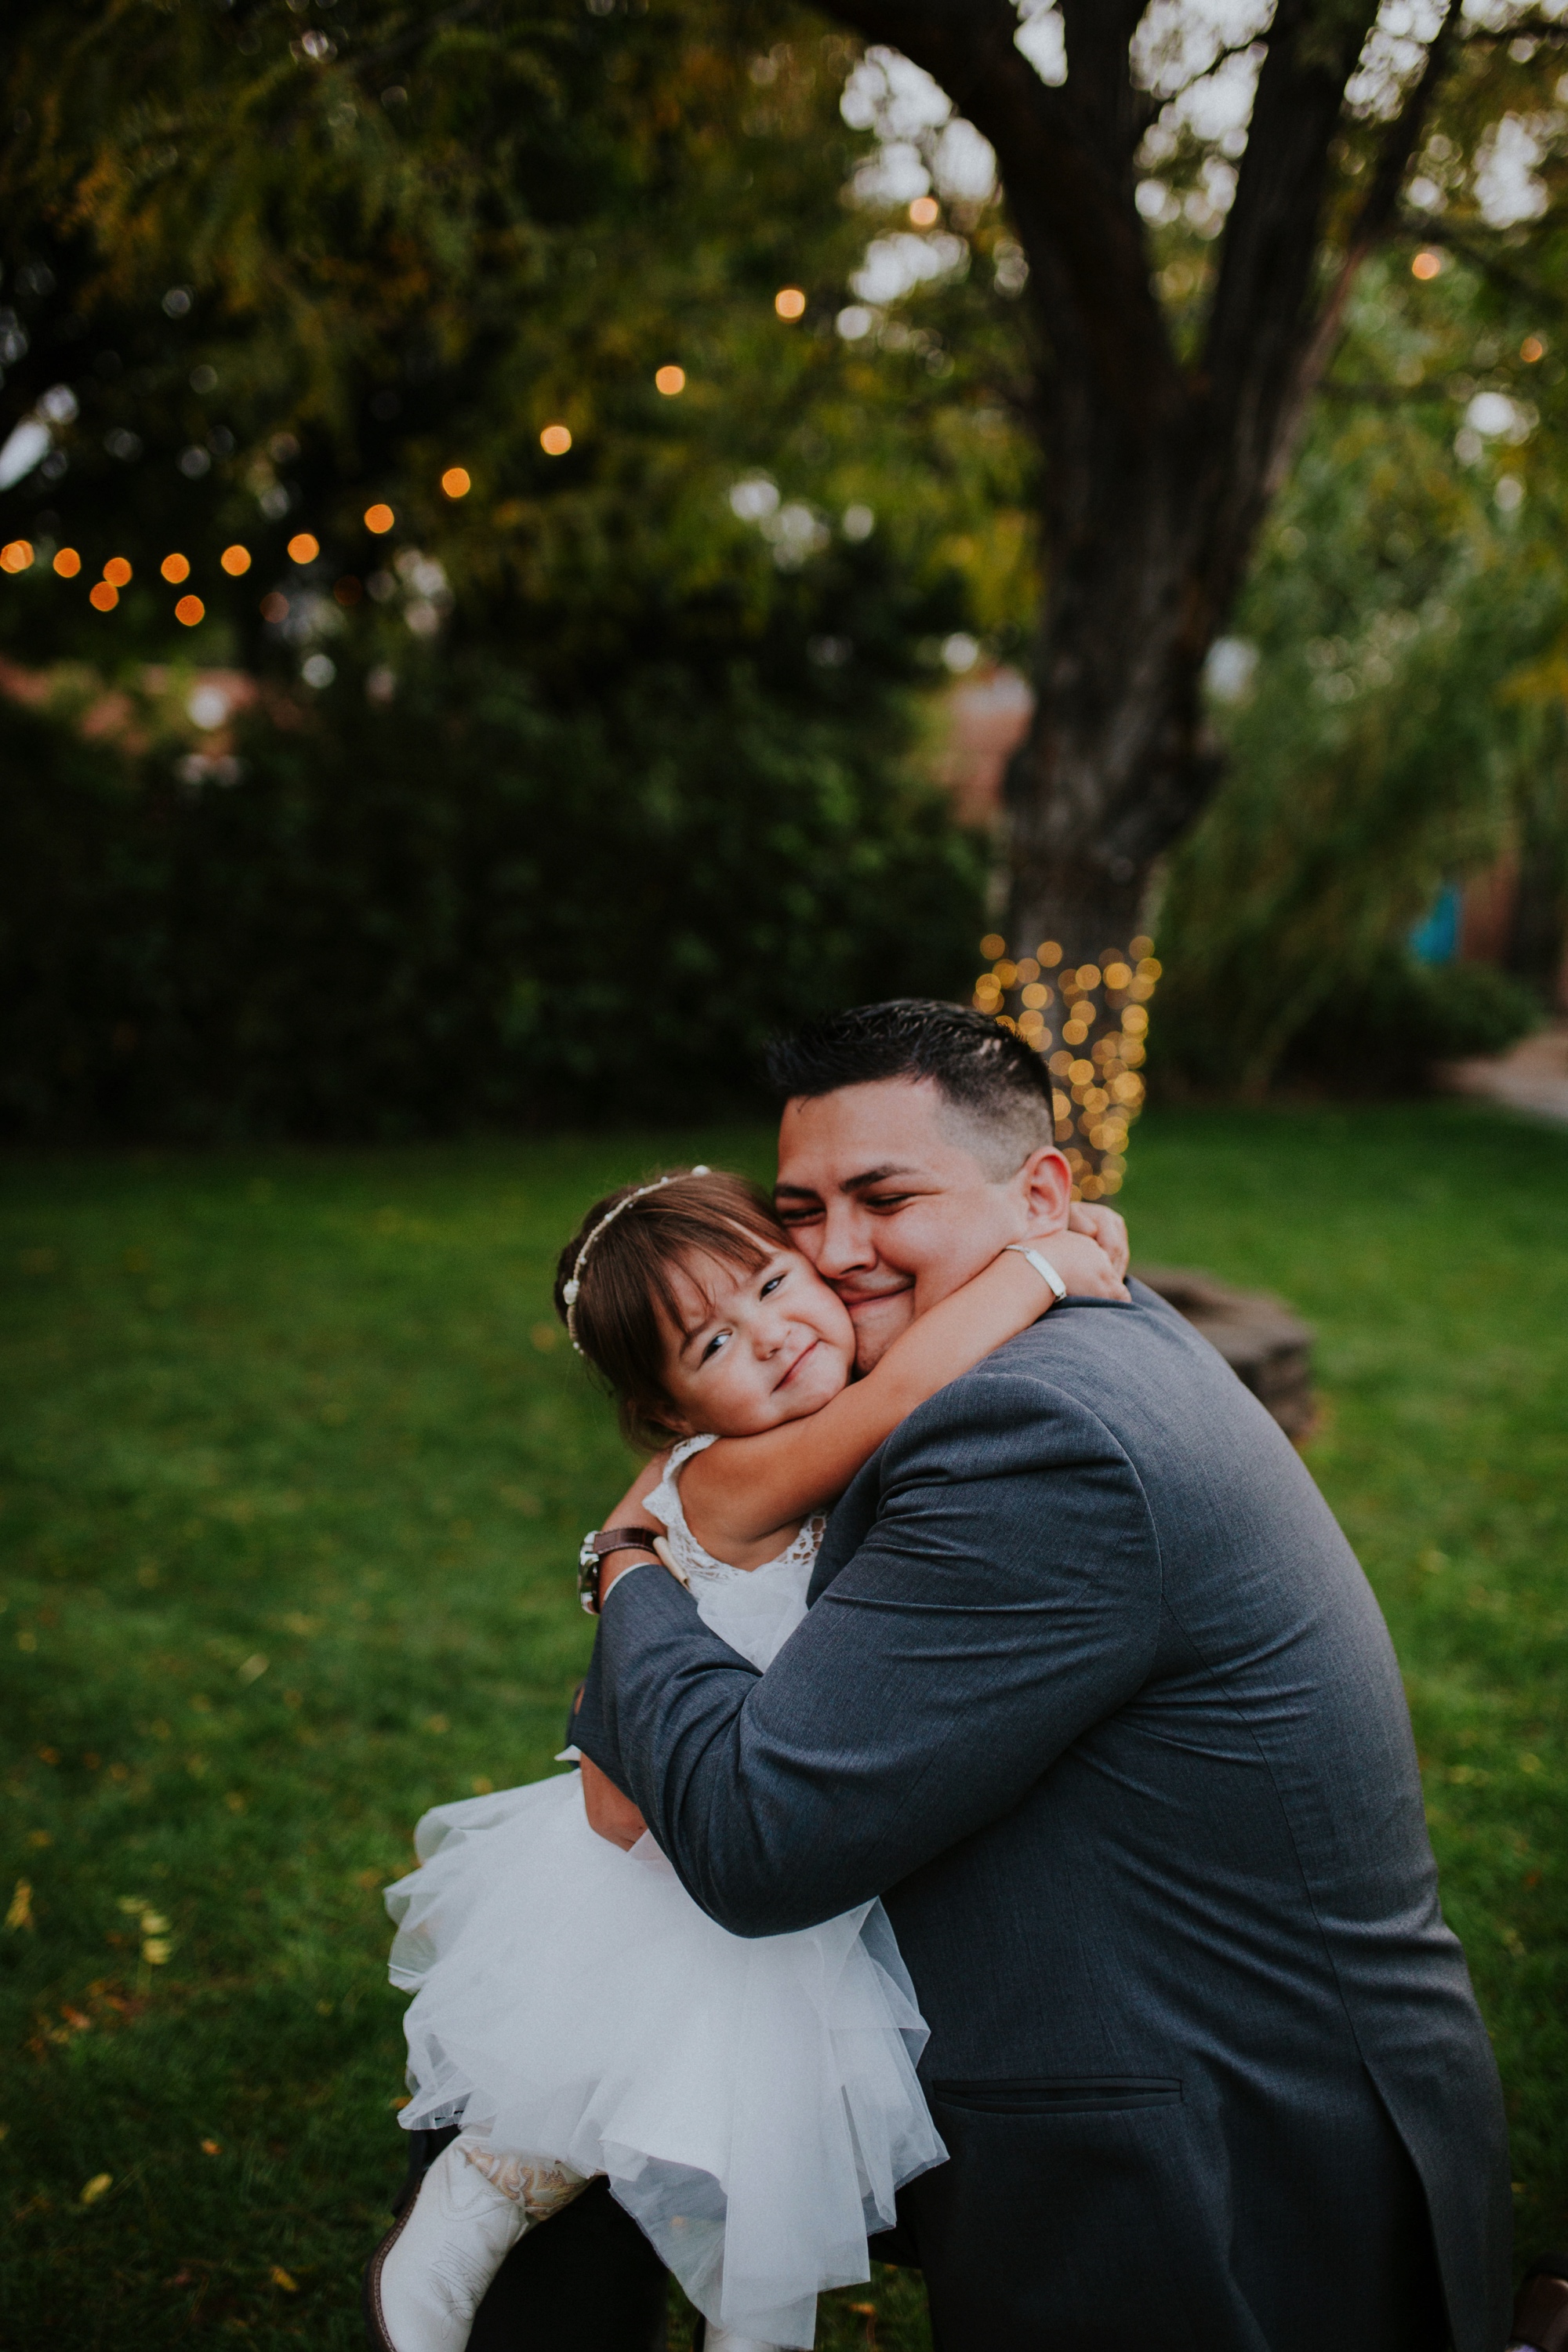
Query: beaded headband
(570, 1290)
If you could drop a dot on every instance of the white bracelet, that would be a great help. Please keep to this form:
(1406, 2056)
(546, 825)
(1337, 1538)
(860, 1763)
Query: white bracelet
(1043, 1267)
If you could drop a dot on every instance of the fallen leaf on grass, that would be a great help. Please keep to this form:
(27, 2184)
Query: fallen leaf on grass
(98, 2186)
(281, 2278)
(212, 2148)
(20, 1914)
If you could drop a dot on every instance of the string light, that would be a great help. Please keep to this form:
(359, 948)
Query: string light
(1095, 1091)
(236, 560)
(789, 302)
(67, 563)
(117, 572)
(103, 595)
(304, 547)
(669, 380)
(555, 440)
(456, 481)
(189, 611)
(379, 519)
(176, 568)
(17, 555)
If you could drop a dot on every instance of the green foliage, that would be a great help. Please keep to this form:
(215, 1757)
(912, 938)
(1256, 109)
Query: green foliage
(1405, 723)
(385, 278)
(289, 1407)
(470, 906)
(1389, 1025)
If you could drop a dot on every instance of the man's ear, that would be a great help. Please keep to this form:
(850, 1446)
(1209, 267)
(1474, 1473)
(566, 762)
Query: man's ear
(1045, 1180)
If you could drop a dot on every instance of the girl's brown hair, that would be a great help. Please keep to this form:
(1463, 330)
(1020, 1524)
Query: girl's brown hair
(627, 1304)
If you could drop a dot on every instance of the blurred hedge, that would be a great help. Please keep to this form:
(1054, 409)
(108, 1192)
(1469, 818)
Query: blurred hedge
(469, 908)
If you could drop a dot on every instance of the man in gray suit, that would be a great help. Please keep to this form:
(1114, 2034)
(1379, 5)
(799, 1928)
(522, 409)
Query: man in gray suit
(1093, 1692)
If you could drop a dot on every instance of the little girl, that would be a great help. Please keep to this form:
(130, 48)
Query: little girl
(753, 2102)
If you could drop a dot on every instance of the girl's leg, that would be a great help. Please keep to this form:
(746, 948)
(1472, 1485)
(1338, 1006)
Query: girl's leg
(474, 2203)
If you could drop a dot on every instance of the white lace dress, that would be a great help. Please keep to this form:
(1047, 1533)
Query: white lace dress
(753, 2100)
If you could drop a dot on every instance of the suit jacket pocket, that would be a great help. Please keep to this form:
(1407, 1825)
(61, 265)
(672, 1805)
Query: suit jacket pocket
(1060, 2095)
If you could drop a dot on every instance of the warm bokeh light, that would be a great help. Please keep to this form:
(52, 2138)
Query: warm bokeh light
(457, 482)
(304, 547)
(17, 555)
(992, 945)
(117, 572)
(274, 607)
(1426, 264)
(236, 560)
(669, 380)
(189, 611)
(103, 596)
(925, 212)
(1532, 350)
(789, 302)
(1097, 1093)
(555, 440)
(176, 568)
(379, 518)
(67, 563)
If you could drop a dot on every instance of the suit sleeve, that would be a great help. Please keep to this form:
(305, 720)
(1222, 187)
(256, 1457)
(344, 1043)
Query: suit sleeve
(1005, 1599)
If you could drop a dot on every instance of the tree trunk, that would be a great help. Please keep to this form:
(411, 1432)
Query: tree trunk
(1157, 472)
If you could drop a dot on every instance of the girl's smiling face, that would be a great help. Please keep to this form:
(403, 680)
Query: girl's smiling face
(755, 1348)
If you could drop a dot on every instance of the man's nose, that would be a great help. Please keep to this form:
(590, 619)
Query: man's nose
(846, 1240)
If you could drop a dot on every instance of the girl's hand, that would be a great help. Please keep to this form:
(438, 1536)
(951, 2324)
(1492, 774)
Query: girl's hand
(1102, 1225)
(1084, 1265)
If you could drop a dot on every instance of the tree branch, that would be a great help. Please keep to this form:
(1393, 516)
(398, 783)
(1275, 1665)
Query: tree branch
(1379, 210)
(1064, 158)
(1501, 273)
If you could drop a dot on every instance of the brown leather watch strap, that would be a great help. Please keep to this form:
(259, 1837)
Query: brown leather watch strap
(606, 1540)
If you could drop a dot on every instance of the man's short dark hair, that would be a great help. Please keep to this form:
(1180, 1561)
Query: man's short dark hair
(996, 1088)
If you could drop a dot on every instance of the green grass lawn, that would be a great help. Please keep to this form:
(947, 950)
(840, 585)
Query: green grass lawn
(295, 1467)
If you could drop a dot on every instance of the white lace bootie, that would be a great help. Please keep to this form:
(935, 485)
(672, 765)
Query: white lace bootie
(473, 2205)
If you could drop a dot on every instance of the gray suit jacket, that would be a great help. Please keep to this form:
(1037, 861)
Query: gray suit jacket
(1095, 1693)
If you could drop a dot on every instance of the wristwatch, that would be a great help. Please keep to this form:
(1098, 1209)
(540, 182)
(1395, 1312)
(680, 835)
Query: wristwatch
(597, 1546)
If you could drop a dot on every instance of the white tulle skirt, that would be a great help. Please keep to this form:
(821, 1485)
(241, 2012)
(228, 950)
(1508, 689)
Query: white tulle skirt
(753, 2102)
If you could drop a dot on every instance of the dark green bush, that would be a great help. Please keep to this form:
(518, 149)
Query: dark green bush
(470, 907)
(1387, 1030)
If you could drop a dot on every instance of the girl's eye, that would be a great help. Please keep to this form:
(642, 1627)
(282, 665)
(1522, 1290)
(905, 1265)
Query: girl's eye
(714, 1344)
(771, 1284)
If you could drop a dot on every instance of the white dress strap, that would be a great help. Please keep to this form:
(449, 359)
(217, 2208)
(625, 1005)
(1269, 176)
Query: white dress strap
(686, 1555)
